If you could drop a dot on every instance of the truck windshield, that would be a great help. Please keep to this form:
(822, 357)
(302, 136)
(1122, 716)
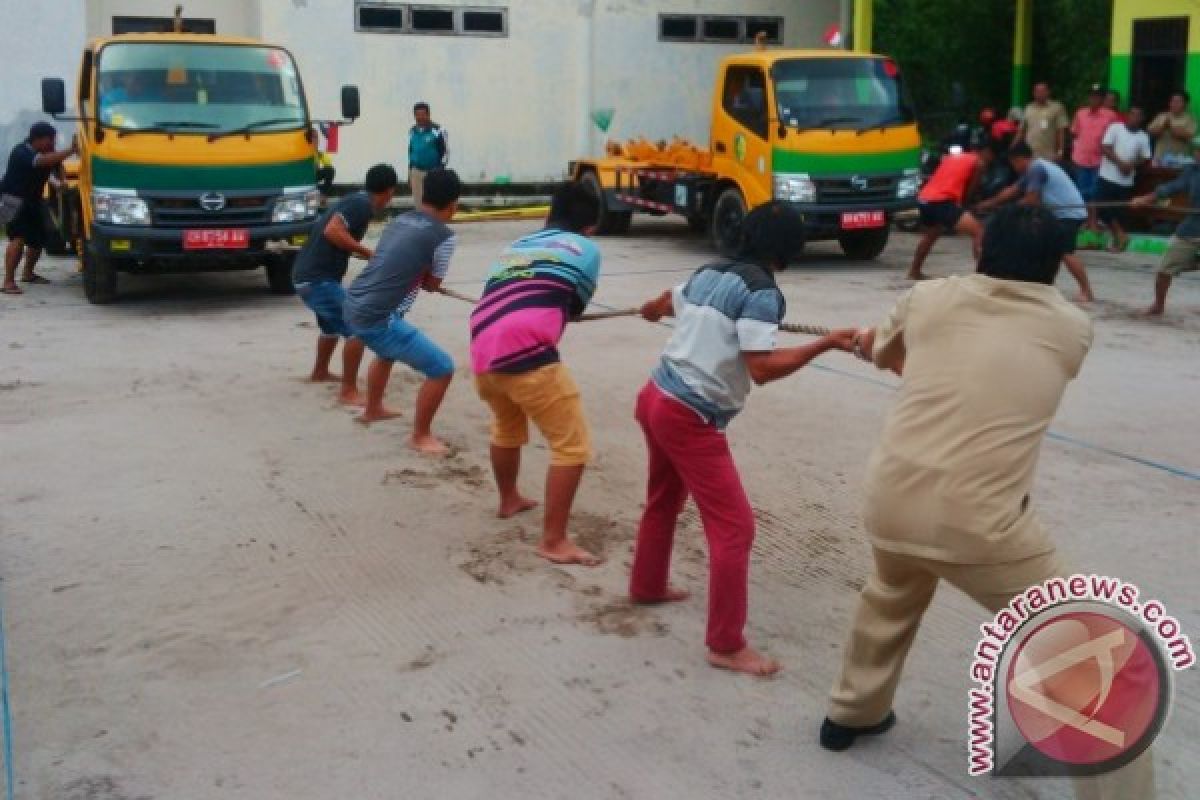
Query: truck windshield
(840, 93)
(198, 88)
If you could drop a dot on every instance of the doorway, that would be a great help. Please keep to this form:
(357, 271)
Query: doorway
(1159, 61)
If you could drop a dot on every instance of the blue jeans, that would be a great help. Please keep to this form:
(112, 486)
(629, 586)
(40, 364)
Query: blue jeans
(400, 340)
(325, 299)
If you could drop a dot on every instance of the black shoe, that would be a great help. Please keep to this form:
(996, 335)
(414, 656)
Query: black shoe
(839, 737)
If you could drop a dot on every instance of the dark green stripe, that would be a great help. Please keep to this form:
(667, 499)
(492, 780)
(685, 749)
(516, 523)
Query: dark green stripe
(110, 174)
(845, 163)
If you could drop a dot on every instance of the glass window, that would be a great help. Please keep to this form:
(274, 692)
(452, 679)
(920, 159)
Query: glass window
(840, 93)
(771, 26)
(380, 18)
(722, 29)
(483, 22)
(199, 88)
(678, 28)
(745, 97)
(432, 20)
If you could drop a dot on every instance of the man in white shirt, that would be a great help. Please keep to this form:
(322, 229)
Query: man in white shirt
(1125, 146)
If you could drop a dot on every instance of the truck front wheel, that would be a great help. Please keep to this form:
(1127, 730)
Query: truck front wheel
(99, 277)
(607, 220)
(728, 215)
(279, 273)
(864, 245)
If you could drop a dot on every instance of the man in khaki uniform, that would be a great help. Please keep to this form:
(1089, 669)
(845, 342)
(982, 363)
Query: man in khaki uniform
(1045, 125)
(985, 360)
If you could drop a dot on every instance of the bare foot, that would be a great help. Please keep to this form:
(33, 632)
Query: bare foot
(1153, 311)
(518, 504)
(377, 415)
(920, 276)
(324, 377)
(351, 398)
(672, 595)
(428, 445)
(565, 552)
(747, 660)
(1084, 299)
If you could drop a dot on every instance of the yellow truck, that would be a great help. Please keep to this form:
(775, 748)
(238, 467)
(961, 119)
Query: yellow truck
(831, 132)
(196, 153)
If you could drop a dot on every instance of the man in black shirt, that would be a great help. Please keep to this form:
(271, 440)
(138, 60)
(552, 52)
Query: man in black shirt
(29, 166)
(322, 264)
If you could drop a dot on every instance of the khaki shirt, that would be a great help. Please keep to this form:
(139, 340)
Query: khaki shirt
(985, 363)
(1170, 143)
(1042, 124)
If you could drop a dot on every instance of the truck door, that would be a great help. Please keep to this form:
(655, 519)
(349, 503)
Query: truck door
(741, 148)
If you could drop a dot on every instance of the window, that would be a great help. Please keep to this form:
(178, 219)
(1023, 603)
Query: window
(424, 18)
(718, 29)
(745, 97)
(160, 25)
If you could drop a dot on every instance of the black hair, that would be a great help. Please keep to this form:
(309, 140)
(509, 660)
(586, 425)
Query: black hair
(772, 234)
(1187, 98)
(442, 188)
(1022, 243)
(421, 106)
(380, 178)
(1020, 150)
(573, 208)
(42, 130)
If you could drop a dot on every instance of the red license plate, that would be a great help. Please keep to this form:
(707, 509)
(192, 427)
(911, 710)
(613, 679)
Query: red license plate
(856, 220)
(217, 239)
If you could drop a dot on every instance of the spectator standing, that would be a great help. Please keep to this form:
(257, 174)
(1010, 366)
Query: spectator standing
(1173, 130)
(1126, 146)
(428, 149)
(1044, 127)
(1087, 129)
(29, 166)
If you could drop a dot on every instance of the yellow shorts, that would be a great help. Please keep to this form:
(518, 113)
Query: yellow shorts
(549, 397)
(1180, 256)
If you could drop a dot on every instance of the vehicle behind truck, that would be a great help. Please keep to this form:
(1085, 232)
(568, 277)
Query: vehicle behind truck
(830, 132)
(196, 153)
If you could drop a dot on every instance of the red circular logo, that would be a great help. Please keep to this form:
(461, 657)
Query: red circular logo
(1084, 688)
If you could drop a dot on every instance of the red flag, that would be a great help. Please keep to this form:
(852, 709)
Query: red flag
(833, 35)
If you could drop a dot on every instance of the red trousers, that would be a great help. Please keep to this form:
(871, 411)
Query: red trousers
(690, 456)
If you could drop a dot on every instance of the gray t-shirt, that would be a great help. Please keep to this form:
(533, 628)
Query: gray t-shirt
(320, 260)
(411, 246)
(1057, 190)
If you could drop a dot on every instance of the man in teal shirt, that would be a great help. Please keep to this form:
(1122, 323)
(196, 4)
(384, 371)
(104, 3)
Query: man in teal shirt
(427, 149)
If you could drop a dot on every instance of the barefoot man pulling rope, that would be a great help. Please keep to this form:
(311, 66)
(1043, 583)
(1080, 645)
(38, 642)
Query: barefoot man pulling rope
(727, 316)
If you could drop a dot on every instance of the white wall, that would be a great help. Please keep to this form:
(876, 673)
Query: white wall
(37, 40)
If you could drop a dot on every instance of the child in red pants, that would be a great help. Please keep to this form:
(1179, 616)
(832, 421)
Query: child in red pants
(727, 318)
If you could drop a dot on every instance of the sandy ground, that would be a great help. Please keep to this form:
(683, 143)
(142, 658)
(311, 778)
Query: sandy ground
(217, 585)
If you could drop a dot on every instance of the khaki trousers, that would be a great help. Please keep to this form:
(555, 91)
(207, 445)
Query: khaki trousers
(889, 612)
(416, 184)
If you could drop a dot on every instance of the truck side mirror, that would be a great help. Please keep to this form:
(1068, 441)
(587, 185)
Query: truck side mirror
(350, 105)
(54, 96)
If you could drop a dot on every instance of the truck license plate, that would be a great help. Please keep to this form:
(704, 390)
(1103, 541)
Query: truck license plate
(217, 239)
(856, 220)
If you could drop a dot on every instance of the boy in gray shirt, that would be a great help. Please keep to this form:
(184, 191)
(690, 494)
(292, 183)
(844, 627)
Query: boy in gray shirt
(413, 254)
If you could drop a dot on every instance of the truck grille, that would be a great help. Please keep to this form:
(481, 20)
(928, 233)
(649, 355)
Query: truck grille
(843, 191)
(183, 210)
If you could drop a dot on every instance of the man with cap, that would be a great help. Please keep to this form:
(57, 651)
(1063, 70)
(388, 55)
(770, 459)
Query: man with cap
(1182, 248)
(29, 166)
(1087, 130)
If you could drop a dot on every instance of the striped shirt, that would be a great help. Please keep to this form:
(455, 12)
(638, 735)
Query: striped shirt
(539, 282)
(721, 312)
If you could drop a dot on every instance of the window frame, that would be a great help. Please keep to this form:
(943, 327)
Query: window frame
(361, 4)
(744, 23)
(458, 19)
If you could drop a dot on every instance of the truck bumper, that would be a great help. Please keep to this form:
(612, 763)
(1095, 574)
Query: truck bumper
(160, 250)
(825, 221)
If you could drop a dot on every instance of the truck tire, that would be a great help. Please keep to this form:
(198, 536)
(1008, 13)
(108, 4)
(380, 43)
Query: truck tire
(99, 277)
(279, 273)
(864, 245)
(607, 221)
(56, 244)
(697, 223)
(726, 223)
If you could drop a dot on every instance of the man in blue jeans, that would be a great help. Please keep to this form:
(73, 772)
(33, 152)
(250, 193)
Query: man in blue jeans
(321, 265)
(413, 254)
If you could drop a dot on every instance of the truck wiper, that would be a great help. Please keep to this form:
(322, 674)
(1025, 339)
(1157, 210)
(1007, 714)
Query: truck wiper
(260, 123)
(825, 123)
(880, 126)
(166, 127)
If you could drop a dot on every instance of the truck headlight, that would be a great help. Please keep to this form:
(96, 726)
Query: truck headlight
(908, 185)
(116, 207)
(795, 188)
(296, 205)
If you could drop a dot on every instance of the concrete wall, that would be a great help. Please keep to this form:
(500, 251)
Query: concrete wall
(38, 40)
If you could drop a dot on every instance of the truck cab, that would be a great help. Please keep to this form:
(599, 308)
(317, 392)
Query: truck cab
(196, 153)
(830, 132)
